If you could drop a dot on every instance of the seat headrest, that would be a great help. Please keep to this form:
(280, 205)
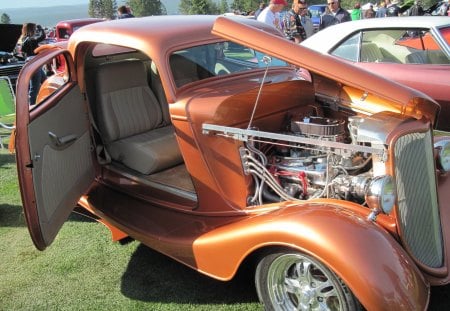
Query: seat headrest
(121, 75)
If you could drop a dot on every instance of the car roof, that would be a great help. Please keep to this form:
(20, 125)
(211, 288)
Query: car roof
(156, 34)
(330, 36)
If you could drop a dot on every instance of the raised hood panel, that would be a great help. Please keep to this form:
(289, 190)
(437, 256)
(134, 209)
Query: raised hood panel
(10, 35)
(407, 100)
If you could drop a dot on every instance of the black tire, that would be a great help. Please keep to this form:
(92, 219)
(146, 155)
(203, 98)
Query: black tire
(294, 281)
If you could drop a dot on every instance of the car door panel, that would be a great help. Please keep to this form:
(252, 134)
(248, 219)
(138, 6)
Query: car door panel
(56, 146)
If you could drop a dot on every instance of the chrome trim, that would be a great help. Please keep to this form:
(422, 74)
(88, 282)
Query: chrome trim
(419, 219)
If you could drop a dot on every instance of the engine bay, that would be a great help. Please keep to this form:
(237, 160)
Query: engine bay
(317, 157)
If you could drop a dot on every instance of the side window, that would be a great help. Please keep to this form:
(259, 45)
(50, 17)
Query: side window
(445, 33)
(47, 80)
(348, 49)
(210, 60)
(422, 48)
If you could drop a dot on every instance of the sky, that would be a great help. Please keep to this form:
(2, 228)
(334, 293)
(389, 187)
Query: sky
(8, 4)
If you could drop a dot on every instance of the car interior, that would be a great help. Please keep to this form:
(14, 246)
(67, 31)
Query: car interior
(133, 121)
(390, 46)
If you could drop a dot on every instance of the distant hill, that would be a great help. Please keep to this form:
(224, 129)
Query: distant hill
(50, 16)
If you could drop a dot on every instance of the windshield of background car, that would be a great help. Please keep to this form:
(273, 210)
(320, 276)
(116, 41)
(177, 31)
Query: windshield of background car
(210, 60)
(402, 46)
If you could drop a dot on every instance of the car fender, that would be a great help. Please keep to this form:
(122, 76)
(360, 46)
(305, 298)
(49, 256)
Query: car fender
(364, 255)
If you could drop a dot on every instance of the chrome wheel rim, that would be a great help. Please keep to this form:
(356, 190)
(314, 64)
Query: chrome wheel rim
(297, 282)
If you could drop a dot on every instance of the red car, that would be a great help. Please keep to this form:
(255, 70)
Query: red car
(219, 143)
(65, 29)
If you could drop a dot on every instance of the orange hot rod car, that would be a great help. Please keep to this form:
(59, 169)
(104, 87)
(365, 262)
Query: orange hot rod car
(217, 142)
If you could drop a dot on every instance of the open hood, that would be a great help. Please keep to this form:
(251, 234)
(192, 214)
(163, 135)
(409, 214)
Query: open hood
(10, 33)
(406, 100)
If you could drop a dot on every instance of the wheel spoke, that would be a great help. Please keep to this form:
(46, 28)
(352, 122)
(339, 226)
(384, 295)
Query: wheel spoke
(298, 282)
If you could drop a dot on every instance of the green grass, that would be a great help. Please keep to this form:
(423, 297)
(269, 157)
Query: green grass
(84, 270)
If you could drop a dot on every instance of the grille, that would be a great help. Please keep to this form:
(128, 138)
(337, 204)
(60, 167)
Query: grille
(417, 198)
(12, 71)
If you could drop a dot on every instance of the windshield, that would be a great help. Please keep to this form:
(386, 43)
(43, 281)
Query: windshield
(210, 60)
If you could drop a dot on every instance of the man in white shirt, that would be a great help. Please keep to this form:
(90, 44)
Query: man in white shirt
(271, 14)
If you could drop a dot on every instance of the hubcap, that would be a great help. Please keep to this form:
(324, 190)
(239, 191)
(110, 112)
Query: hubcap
(298, 282)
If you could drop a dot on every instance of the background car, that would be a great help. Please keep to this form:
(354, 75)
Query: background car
(64, 29)
(413, 51)
(10, 62)
(316, 10)
(225, 156)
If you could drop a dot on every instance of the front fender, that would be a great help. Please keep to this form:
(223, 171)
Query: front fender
(364, 255)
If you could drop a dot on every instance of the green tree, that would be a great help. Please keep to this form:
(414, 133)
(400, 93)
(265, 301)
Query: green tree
(246, 5)
(102, 8)
(223, 7)
(147, 7)
(198, 7)
(5, 19)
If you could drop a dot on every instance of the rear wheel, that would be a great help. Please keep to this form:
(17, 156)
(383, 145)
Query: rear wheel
(295, 281)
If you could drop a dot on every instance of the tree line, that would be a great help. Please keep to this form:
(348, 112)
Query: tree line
(108, 8)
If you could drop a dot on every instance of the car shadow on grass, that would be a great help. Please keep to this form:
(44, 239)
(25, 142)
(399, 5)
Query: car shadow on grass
(11, 216)
(153, 277)
(6, 158)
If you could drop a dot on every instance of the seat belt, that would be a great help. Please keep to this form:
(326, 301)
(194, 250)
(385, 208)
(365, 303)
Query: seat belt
(102, 154)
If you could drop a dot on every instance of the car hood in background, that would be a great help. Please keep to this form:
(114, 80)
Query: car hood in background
(10, 33)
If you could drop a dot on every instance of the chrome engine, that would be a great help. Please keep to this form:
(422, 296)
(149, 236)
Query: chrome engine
(320, 160)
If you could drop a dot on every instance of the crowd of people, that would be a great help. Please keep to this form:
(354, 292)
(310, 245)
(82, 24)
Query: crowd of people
(297, 25)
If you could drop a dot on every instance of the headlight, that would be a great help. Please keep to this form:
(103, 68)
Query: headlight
(381, 194)
(443, 155)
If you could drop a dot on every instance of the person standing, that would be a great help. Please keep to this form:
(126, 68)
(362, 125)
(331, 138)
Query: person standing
(305, 19)
(381, 12)
(370, 12)
(416, 9)
(393, 9)
(261, 7)
(29, 40)
(334, 14)
(356, 12)
(271, 14)
(293, 27)
(124, 12)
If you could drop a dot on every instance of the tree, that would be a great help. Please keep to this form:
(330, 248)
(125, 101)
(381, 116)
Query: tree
(198, 7)
(102, 8)
(246, 5)
(5, 19)
(147, 7)
(223, 7)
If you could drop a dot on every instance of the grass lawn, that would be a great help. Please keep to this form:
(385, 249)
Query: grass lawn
(84, 270)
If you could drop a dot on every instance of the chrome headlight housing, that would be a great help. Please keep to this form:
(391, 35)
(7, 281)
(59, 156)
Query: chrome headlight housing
(443, 155)
(381, 194)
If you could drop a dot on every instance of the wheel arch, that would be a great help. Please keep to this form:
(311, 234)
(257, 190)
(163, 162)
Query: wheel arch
(369, 260)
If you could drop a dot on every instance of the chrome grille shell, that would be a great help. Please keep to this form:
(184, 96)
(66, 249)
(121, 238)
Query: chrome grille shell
(418, 210)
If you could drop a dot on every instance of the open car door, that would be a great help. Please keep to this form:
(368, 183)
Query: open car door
(53, 145)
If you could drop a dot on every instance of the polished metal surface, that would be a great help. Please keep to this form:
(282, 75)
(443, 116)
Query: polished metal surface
(417, 198)
(297, 282)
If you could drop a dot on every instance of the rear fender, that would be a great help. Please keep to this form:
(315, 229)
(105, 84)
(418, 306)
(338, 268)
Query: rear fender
(363, 254)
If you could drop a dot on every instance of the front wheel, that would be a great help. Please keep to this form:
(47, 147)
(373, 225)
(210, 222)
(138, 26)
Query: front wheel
(295, 281)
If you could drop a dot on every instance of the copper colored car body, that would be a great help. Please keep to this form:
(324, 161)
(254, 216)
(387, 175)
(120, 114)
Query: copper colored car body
(266, 150)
